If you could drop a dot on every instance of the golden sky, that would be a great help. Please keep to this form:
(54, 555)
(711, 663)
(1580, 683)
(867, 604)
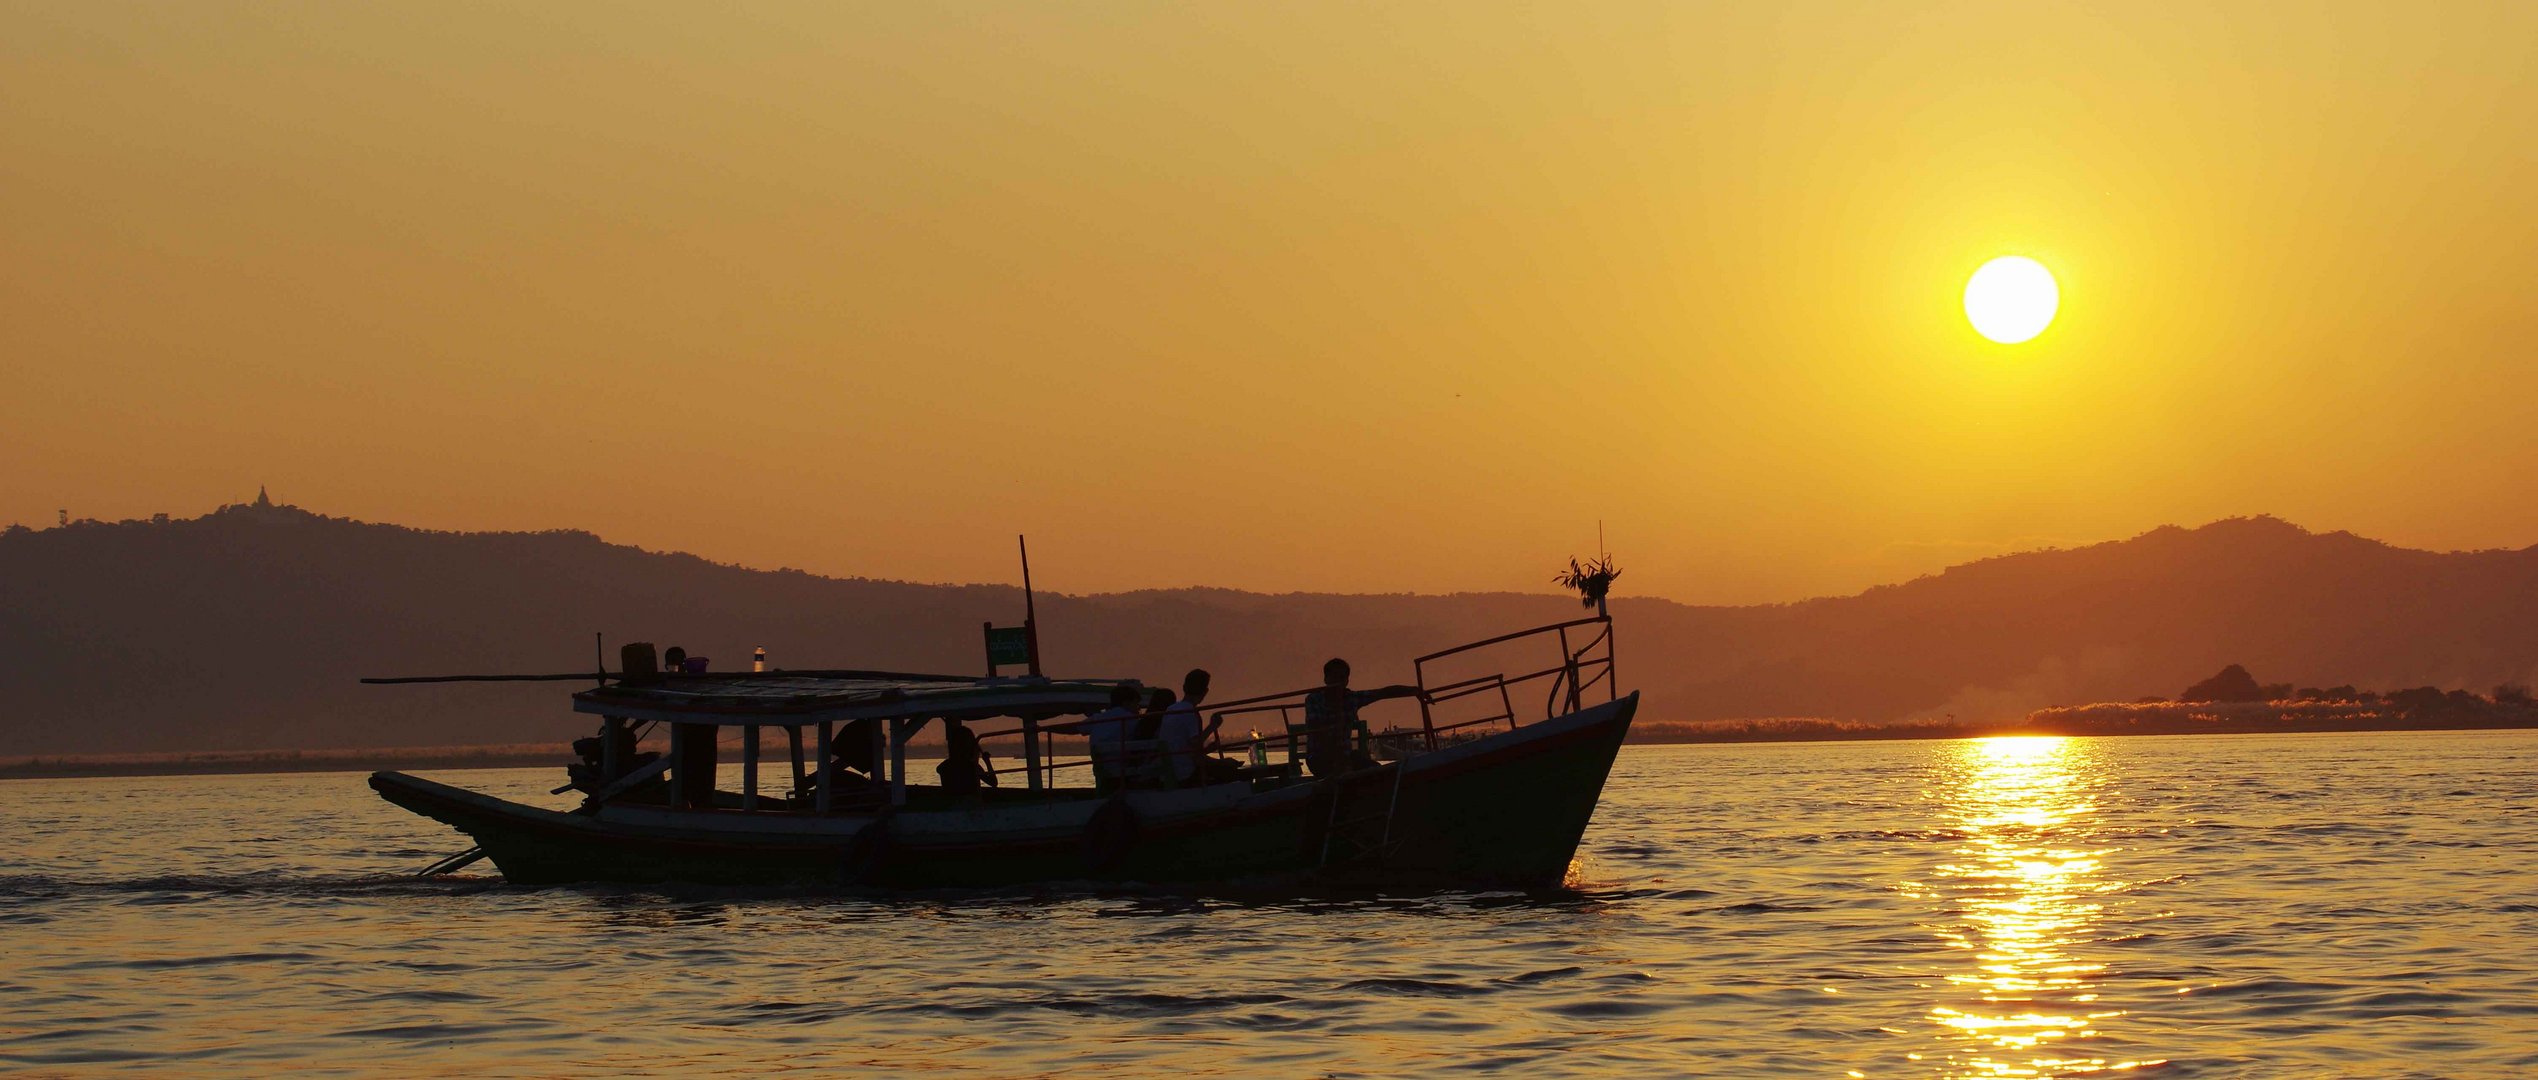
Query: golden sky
(1277, 296)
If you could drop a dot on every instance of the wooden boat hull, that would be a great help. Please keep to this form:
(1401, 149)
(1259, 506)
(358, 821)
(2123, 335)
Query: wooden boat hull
(1504, 810)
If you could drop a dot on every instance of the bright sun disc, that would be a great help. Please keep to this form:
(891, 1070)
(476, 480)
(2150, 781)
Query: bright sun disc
(2011, 299)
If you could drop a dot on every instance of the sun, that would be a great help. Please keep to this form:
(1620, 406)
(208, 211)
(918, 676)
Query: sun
(2011, 299)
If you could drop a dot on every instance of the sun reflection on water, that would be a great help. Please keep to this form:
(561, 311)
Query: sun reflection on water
(2026, 880)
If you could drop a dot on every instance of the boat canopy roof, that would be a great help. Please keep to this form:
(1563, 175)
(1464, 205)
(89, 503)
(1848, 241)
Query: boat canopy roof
(785, 700)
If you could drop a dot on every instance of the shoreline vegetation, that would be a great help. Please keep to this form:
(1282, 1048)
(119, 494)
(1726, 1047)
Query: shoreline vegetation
(2422, 710)
(2231, 702)
(2094, 721)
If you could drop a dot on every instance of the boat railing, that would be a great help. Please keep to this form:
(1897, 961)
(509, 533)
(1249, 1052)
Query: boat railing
(1584, 663)
(1141, 757)
(1583, 666)
(1138, 765)
(1140, 760)
(1287, 737)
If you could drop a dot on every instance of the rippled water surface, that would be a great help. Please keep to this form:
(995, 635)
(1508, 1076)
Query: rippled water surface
(2329, 905)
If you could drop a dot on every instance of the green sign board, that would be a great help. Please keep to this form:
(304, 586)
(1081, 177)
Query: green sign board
(1008, 645)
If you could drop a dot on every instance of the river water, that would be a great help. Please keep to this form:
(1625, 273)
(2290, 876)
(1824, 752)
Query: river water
(2332, 905)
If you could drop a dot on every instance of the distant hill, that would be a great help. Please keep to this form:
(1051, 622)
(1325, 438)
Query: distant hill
(246, 628)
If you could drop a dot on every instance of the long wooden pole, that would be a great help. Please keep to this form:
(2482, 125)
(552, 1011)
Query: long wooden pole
(627, 782)
(814, 673)
(477, 678)
(1030, 613)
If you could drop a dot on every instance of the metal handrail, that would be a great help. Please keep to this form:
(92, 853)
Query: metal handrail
(1568, 676)
(1134, 759)
(1281, 702)
(1576, 672)
(1502, 638)
(1486, 683)
(1139, 758)
(1440, 690)
(1571, 664)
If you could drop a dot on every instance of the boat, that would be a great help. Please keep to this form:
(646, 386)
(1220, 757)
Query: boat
(1486, 791)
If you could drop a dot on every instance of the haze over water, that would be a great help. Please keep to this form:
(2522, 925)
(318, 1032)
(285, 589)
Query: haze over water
(2242, 906)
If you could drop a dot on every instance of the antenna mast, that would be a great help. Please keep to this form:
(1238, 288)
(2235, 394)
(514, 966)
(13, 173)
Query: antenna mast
(1030, 613)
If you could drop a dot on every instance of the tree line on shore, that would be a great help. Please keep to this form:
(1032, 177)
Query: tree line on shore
(2235, 684)
(2230, 702)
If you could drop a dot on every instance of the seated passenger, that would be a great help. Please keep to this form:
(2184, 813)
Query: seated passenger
(1184, 737)
(853, 773)
(1144, 761)
(852, 747)
(1108, 730)
(966, 764)
(1150, 722)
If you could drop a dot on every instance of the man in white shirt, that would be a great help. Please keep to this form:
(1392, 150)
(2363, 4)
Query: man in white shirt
(1108, 729)
(1184, 738)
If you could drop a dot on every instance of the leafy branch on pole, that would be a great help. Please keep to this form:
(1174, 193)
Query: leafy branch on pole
(1591, 579)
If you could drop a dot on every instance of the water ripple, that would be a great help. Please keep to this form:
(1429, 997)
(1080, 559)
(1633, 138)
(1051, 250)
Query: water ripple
(2257, 906)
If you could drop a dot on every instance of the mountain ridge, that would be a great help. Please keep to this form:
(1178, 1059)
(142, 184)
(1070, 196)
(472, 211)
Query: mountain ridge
(245, 628)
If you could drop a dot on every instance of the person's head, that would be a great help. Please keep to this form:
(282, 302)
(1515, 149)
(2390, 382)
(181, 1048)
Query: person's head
(1335, 673)
(1194, 686)
(1124, 695)
(1159, 699)
(853, 743)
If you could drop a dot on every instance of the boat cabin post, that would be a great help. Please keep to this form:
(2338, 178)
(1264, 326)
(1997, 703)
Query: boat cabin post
(678, 764)
(749, 767)
(1031, 751)
(612, 757)
(880, 743)
(828, 731)
(699, 764)
(900, 732)
(793, 741)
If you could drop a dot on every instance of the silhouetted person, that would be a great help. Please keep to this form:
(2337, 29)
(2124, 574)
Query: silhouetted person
(853, 770)
(1184, 739)
(852, 746)
(1142, 764)
(614, 743)
(966, 764)
(1330, 719)
(1150, 723)
(1108, 730)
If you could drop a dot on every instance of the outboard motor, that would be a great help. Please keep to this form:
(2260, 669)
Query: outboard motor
(590, 775)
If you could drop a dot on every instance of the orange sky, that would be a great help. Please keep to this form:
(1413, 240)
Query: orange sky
(1280, 296)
